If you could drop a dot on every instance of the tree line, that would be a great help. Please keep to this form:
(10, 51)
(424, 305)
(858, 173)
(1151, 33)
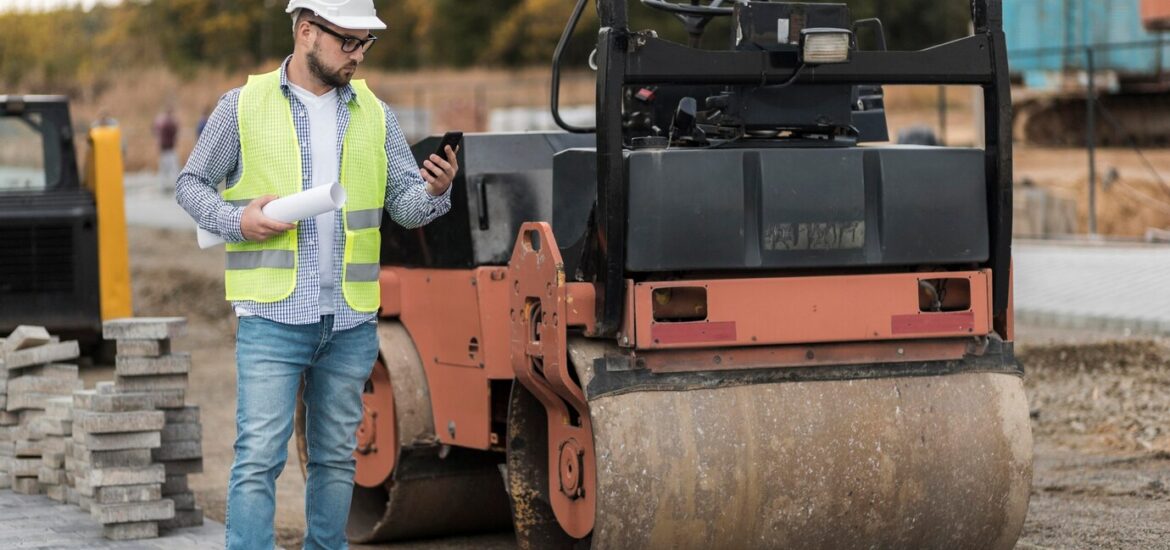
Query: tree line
(76, 49)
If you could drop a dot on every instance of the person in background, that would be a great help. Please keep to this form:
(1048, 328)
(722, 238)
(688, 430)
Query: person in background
(166, 133)
(104, 119)
(199, 126)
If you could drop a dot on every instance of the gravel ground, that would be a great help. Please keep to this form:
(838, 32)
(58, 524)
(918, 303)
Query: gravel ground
(1101, 414)
(1100, 403)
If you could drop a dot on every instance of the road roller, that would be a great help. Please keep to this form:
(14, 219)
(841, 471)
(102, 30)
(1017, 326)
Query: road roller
(728, 315)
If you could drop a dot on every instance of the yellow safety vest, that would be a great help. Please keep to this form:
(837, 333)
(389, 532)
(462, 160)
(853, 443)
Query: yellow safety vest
(270, 159)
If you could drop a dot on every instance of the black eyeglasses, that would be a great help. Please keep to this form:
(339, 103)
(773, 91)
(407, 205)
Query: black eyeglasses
(348, 43)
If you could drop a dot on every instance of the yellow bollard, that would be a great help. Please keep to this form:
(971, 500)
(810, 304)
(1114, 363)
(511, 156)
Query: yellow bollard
(104, 179)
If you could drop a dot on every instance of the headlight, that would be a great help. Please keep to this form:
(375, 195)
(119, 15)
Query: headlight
(825, 45)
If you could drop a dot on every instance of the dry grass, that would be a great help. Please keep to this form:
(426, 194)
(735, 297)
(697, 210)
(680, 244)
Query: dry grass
(926, 97)
(463, 99)
(1132, 203)
(457, 99)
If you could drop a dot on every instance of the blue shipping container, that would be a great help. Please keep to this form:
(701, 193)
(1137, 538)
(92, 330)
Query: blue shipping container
(1035, 25)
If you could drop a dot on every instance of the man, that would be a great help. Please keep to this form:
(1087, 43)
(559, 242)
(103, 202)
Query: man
(306, 294)
(166, 131)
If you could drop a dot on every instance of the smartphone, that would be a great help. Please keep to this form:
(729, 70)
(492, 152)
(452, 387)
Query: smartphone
(450, 138)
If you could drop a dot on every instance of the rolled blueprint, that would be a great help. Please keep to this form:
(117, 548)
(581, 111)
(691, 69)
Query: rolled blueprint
(290, 209)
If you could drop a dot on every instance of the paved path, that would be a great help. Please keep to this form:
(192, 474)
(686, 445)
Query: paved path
(149, 206)
(1123, 287)
(28, 522)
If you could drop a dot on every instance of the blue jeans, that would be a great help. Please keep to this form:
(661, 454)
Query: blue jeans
(271, 358)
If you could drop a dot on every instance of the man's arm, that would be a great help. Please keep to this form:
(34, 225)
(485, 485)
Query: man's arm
(216, 155)
(407, 199)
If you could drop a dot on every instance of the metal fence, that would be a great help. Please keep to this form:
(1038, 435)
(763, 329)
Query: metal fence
(1093, 70)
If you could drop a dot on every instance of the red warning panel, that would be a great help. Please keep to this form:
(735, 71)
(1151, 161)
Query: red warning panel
(684, 333)
(924, 323)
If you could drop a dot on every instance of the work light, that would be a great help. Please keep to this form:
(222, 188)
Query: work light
(825, 45)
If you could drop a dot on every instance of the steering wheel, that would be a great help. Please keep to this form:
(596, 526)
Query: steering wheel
(712, 9)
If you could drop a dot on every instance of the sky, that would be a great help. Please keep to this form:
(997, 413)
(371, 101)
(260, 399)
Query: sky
(42, 5)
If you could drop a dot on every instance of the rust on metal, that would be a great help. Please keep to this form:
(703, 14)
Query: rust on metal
(764, 357)
(628, 336)
(571, 476)
(527, 476)
(377, 437)
(693, 332)
(899, 462)
(933, 323)
(539, 315)
(581, 306)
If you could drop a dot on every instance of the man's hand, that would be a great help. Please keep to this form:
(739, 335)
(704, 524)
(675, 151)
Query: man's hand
(256, 226)
(445, 168)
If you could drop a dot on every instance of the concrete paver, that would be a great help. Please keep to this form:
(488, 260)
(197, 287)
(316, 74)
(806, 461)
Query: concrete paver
(148, 205)
(36, 522)
(1116, 287)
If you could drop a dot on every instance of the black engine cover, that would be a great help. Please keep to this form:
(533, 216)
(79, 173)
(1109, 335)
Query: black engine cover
(738, 209)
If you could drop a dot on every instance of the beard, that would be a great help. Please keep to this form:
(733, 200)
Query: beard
(332, 78)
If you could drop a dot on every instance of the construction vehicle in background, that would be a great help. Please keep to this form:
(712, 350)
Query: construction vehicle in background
(728, 316)
(63, 252)
(1055, 46)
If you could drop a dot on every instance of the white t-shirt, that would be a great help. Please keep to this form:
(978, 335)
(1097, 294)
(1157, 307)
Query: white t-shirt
(322, 113)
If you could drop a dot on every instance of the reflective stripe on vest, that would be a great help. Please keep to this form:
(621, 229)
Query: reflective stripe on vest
(270, 163)
(363, 173)
(358, 273)
(277, 259)
(364, 219)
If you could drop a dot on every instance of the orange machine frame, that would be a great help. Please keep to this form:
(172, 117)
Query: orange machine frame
(459, 321)
(798, 310)
(472, 327)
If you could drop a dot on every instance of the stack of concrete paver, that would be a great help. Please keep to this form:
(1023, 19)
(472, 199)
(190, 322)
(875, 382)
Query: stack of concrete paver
(35, 377)
(110, 461)
(8, 422)
(21, 338)
(55, 428)
(145, 365)
(123, 450)
(181, 454)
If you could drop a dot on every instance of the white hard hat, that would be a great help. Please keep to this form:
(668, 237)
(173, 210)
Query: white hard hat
(347, 14)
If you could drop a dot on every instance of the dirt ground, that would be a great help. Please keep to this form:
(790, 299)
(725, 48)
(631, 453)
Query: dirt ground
(172, 276)
(1101, 422)
(1100, 406)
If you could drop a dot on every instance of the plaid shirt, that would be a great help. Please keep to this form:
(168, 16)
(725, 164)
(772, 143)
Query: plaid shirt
(216, 158)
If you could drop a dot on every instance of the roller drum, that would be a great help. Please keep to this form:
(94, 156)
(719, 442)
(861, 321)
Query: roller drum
(900, 462)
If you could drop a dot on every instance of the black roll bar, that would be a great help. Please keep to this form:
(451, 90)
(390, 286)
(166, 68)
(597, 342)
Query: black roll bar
(626, 58)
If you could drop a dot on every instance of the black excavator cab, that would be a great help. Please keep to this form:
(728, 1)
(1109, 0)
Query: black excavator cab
(48, 223)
